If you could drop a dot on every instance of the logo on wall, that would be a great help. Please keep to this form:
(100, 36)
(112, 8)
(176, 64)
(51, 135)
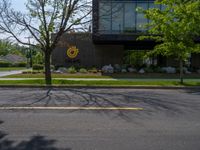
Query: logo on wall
(72, 52)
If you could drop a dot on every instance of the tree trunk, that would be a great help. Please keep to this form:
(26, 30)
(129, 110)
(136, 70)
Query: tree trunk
(48, 79)
(181, 71)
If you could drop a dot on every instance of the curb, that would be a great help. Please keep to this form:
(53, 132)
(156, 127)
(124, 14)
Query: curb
(102, 87)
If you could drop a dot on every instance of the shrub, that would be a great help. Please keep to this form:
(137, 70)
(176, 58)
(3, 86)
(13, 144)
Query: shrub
(20, 64)
(5, 64)
(71, 70)
(83, 70)
(52, 67)
(38, 67)
(93, 70)
(135, 58)
(27, 72)
(149, 70)
(158, 70)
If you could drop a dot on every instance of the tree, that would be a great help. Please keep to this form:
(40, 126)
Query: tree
(45, 21)
(7, 47)
(175, 28)
(4, 46)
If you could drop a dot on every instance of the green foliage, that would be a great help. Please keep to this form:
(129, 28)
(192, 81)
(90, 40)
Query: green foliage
(93, 70)
(135, 58)
(52, 67)
(38, 67)
(71, 70)
(38, 58)
(20, 64)
(149, 70)
(7, 47)
(5, 64)
(174, 28)
(83, 70)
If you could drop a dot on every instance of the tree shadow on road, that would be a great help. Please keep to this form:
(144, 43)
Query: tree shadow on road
(152, 101)
(34, 143)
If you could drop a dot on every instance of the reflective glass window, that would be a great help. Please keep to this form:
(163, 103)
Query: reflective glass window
(130, 14)
(104, 17)
(117, 17)
(141, 20)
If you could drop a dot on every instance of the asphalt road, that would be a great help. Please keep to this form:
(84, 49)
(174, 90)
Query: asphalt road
(170, 120)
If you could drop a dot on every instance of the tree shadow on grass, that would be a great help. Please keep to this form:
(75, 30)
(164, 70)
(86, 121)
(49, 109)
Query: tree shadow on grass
(34, 143)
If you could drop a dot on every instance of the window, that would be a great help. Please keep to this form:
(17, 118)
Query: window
(140, 19)
(104, 17)
(117, 17)
(130, 14)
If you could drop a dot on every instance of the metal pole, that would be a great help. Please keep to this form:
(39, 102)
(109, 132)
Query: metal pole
(30, 52)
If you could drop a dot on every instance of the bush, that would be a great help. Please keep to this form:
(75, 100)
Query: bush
(52, 67)
(71, 70)
(93, 70)
(135, 58)
(20, 64)
(5, 64)
(27, 72)
(38, 67)
(149, 70)
(158, 70)
(83, 70)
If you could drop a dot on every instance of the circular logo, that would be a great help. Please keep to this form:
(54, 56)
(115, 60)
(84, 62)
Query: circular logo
(72, 52)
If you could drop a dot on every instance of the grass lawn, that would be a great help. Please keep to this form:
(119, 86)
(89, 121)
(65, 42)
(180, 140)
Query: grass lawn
(101, 83)
(54, 75)
(115, 75)
(11, 68)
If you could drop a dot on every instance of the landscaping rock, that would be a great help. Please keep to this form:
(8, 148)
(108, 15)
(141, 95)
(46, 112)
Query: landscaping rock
(171, 70)
(117, 68)
(123, 70)
(185, 70)
(132, 70)
(141, 71)
(108, 69)
(198, 71)
(62, 70)
(57, 71)
(188, 72)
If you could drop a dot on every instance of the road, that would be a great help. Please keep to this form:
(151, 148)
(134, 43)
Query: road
(170, 119)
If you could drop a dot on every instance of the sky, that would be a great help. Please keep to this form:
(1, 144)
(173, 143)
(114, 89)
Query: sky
(19, 4)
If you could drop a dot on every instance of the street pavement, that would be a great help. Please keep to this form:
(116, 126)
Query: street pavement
(170, 119)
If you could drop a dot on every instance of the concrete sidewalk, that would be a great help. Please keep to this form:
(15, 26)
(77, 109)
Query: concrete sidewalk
(97, 79)
(7, 73)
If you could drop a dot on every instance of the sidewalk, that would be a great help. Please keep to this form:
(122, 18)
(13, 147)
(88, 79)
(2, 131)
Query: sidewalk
(7, 73)
(96, 79)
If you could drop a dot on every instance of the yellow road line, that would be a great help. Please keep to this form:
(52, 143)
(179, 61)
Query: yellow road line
(71, 108)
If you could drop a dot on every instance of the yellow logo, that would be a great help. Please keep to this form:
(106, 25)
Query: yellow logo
(72, 52)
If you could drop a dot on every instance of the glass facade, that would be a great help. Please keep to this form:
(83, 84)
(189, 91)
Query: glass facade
(118, 16)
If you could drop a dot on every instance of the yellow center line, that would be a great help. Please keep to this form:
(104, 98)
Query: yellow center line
(71, 108)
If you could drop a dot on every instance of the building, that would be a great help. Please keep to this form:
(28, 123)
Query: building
(116, 26)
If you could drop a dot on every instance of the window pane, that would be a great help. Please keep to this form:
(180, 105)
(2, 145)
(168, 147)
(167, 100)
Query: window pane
(141, 20)
(130, 17)
(117, 17)
(104, 17)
